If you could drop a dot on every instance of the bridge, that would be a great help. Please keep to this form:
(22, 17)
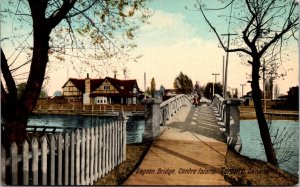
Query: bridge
(191, 148)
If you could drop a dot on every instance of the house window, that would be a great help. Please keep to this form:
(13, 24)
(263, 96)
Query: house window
(134, 100)
(101, 100)
(122, 87)
(129, 100)
(106, 87)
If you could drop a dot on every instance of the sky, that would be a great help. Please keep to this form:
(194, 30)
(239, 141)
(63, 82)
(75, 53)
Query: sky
(178, 40)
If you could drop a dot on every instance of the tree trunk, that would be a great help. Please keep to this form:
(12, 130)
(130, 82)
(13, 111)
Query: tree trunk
(15, 122)
(16, 112)
(262, 123)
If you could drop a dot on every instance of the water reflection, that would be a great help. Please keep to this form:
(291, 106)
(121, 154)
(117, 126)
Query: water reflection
(286, 130)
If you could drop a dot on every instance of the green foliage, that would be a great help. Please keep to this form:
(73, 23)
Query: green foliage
(153, 87)
(183, 84)
(208, 89)
(97, 30)
(148, 92)
(235, 95)
(21, 88)
(162, 90)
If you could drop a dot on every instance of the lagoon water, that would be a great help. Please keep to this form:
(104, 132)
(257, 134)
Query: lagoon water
(287, 147)
(135, 125)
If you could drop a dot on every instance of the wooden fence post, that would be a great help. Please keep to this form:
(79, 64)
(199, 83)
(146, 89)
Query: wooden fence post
(59, 147)
(113, 144)
(25, 163)
(44, 160)
(14, 163)
(88, 158)
(96, 153)
(105, 133)
(101, 147)
(83, 138)
(77, 176)
(123, 120)
(52, 160)
(92, 166)
(110, 146)
(72, 167)
(35, 161)
(119, 141)
(100, 156)
(67, 139)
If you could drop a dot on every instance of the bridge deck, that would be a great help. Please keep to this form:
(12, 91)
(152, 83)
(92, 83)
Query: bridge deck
(191, 151)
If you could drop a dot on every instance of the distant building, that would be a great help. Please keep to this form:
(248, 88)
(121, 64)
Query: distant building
(248, 99)
(289, 101)
(101, 91)
(170, 92)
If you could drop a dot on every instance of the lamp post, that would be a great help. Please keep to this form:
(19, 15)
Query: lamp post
(215, 74)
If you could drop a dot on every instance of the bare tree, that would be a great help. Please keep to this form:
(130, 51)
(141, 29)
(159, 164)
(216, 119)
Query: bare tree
(59, 26)
(263, 29)
(281, 140)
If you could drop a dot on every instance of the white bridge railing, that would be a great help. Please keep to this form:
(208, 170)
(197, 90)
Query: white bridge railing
(169, 107)
(157, 112)
(76, 158)
(228, 116)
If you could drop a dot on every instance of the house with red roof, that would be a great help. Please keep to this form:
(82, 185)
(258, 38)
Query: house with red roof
(101, 91)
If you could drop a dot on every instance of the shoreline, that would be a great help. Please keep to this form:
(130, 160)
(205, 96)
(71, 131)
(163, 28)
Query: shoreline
(271, 175)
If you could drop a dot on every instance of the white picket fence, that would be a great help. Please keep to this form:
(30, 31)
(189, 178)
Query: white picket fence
(76, 158)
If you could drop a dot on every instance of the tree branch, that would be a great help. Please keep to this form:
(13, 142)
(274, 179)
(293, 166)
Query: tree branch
(221, 7)
(216, 33)
(60, 14)
(278, 36)
(79, 12)
(10, 83)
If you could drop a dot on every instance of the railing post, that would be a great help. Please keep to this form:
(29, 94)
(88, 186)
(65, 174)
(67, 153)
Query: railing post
(123, 121)
(233, 125)
(152, 121)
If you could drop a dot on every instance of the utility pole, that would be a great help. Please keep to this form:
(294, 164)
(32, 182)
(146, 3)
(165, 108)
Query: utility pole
(227, 54)
(215, 74)
(243, 89)
(144, 85)
(223, 74)
(226, 64)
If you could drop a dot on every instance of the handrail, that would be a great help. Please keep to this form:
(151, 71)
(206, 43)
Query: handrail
(228, 116)
(171, 106)
(157, 113)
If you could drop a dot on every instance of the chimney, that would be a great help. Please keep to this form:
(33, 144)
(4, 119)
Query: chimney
(87, 84)
(115, 74)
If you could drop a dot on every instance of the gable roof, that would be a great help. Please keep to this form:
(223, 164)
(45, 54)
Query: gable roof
(128, 86)
(79, 83)
(117, 83)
